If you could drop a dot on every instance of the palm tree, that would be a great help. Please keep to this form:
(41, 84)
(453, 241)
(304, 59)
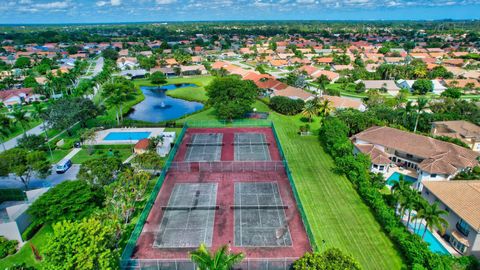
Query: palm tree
(4, 131)
(406, 112)
(222, 259)
(20, 117)
(322, 82)
(432, 216)
(325, 108)
(310, 109)
(421, 105)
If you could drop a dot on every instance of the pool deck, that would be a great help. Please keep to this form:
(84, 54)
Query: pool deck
(103, 133)
(404, 171)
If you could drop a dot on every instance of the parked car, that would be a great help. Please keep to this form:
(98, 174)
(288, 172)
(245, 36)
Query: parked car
(63, 166)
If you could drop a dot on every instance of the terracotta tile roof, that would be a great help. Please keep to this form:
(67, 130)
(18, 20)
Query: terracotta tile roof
(439, 157)
(293, 92)
(462, 82)
(343, 102)
(376, 155)
(330, 74)
(463, 129)
(461, 197)
(14, 92)
(142, 144)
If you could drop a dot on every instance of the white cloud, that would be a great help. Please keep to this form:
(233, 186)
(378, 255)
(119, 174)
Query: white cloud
(52, 5)
(112, 3)
(165, 2)
(115, 2)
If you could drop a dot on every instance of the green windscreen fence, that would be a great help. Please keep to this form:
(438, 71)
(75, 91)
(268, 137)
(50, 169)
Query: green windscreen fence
(129, 248)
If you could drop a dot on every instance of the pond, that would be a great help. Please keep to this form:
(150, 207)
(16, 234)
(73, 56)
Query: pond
(158, 107)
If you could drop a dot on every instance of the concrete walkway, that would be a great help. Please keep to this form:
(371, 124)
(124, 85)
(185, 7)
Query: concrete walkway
(72, 153)
(14, 142)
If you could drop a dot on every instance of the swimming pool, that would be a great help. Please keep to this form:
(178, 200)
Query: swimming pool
(395, 177)
(126, 136)
(433, 243)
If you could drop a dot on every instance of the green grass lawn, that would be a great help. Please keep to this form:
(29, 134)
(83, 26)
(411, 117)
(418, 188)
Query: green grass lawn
(186, 93)
(25, 254)
(335, 211)
(18, 130)
(82, 156)
(57, 155)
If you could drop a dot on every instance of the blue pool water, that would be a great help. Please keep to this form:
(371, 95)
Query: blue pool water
(126, 136)
(395, 177)
(158, 107)
(433, 243)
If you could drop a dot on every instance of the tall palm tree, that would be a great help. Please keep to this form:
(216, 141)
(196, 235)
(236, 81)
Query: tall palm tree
(4, 131)
(310, 109)
(433, 217)
(20, 117)
(325, 108)
(222, 259)
(422, 104)
(407, 111)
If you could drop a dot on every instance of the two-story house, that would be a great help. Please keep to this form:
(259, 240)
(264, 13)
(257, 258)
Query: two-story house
(461, 199)
(433, 160)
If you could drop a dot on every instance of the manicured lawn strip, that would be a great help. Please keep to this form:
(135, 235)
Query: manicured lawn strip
(334, 210)
(18, 130)
(25, 255)
(187, 93)
(57, 155)
(83, 155)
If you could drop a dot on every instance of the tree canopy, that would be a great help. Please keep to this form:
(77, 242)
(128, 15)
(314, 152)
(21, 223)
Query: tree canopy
(231, 97)
(24, 164)
(100, 171)
(331, 259)
(69, 200)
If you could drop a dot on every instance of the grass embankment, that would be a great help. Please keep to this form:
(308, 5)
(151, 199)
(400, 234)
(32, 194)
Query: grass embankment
(25, 254)
(335, 211)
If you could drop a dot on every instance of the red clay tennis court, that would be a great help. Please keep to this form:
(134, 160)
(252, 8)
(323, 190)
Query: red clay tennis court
(224, 186)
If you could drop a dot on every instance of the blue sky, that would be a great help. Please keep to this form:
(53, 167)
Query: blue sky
(94, 11)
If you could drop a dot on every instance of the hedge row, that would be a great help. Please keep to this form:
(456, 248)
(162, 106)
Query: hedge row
(334, 136)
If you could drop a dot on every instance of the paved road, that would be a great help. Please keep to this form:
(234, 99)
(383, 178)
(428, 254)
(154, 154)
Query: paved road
(51, 180)
(13, 142)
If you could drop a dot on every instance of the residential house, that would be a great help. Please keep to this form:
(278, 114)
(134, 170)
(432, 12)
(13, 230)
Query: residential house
(293, 93)
(193, 70)
(438, 88)
(461, 199)
(18, 96)
(382, 85)
(431, 159)
(124, 63)
(465, 131)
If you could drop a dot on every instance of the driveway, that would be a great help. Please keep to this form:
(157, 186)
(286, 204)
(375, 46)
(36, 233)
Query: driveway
(51, 180)
(13, 142)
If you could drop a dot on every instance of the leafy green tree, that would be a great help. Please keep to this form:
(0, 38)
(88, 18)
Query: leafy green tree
(222, 259)
(422, 86)
(149, 160)
(452, 92)
(64, 113)
(100, 172)
(182, 57)
(231, 97)
(87, 244)
(360, 87)
(285, 105)
(69, 200)
(24, 164)
(22, 62)
(330, 259)
(32, 142)
(7, 247)
(122, 194)
(157, 78)
(30, 82)
(110, 53)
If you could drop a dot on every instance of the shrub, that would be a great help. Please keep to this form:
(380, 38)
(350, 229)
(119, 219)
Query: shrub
(69, 200)
(285, 105)
(7, 247)
(31, 230)
(330, 259)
